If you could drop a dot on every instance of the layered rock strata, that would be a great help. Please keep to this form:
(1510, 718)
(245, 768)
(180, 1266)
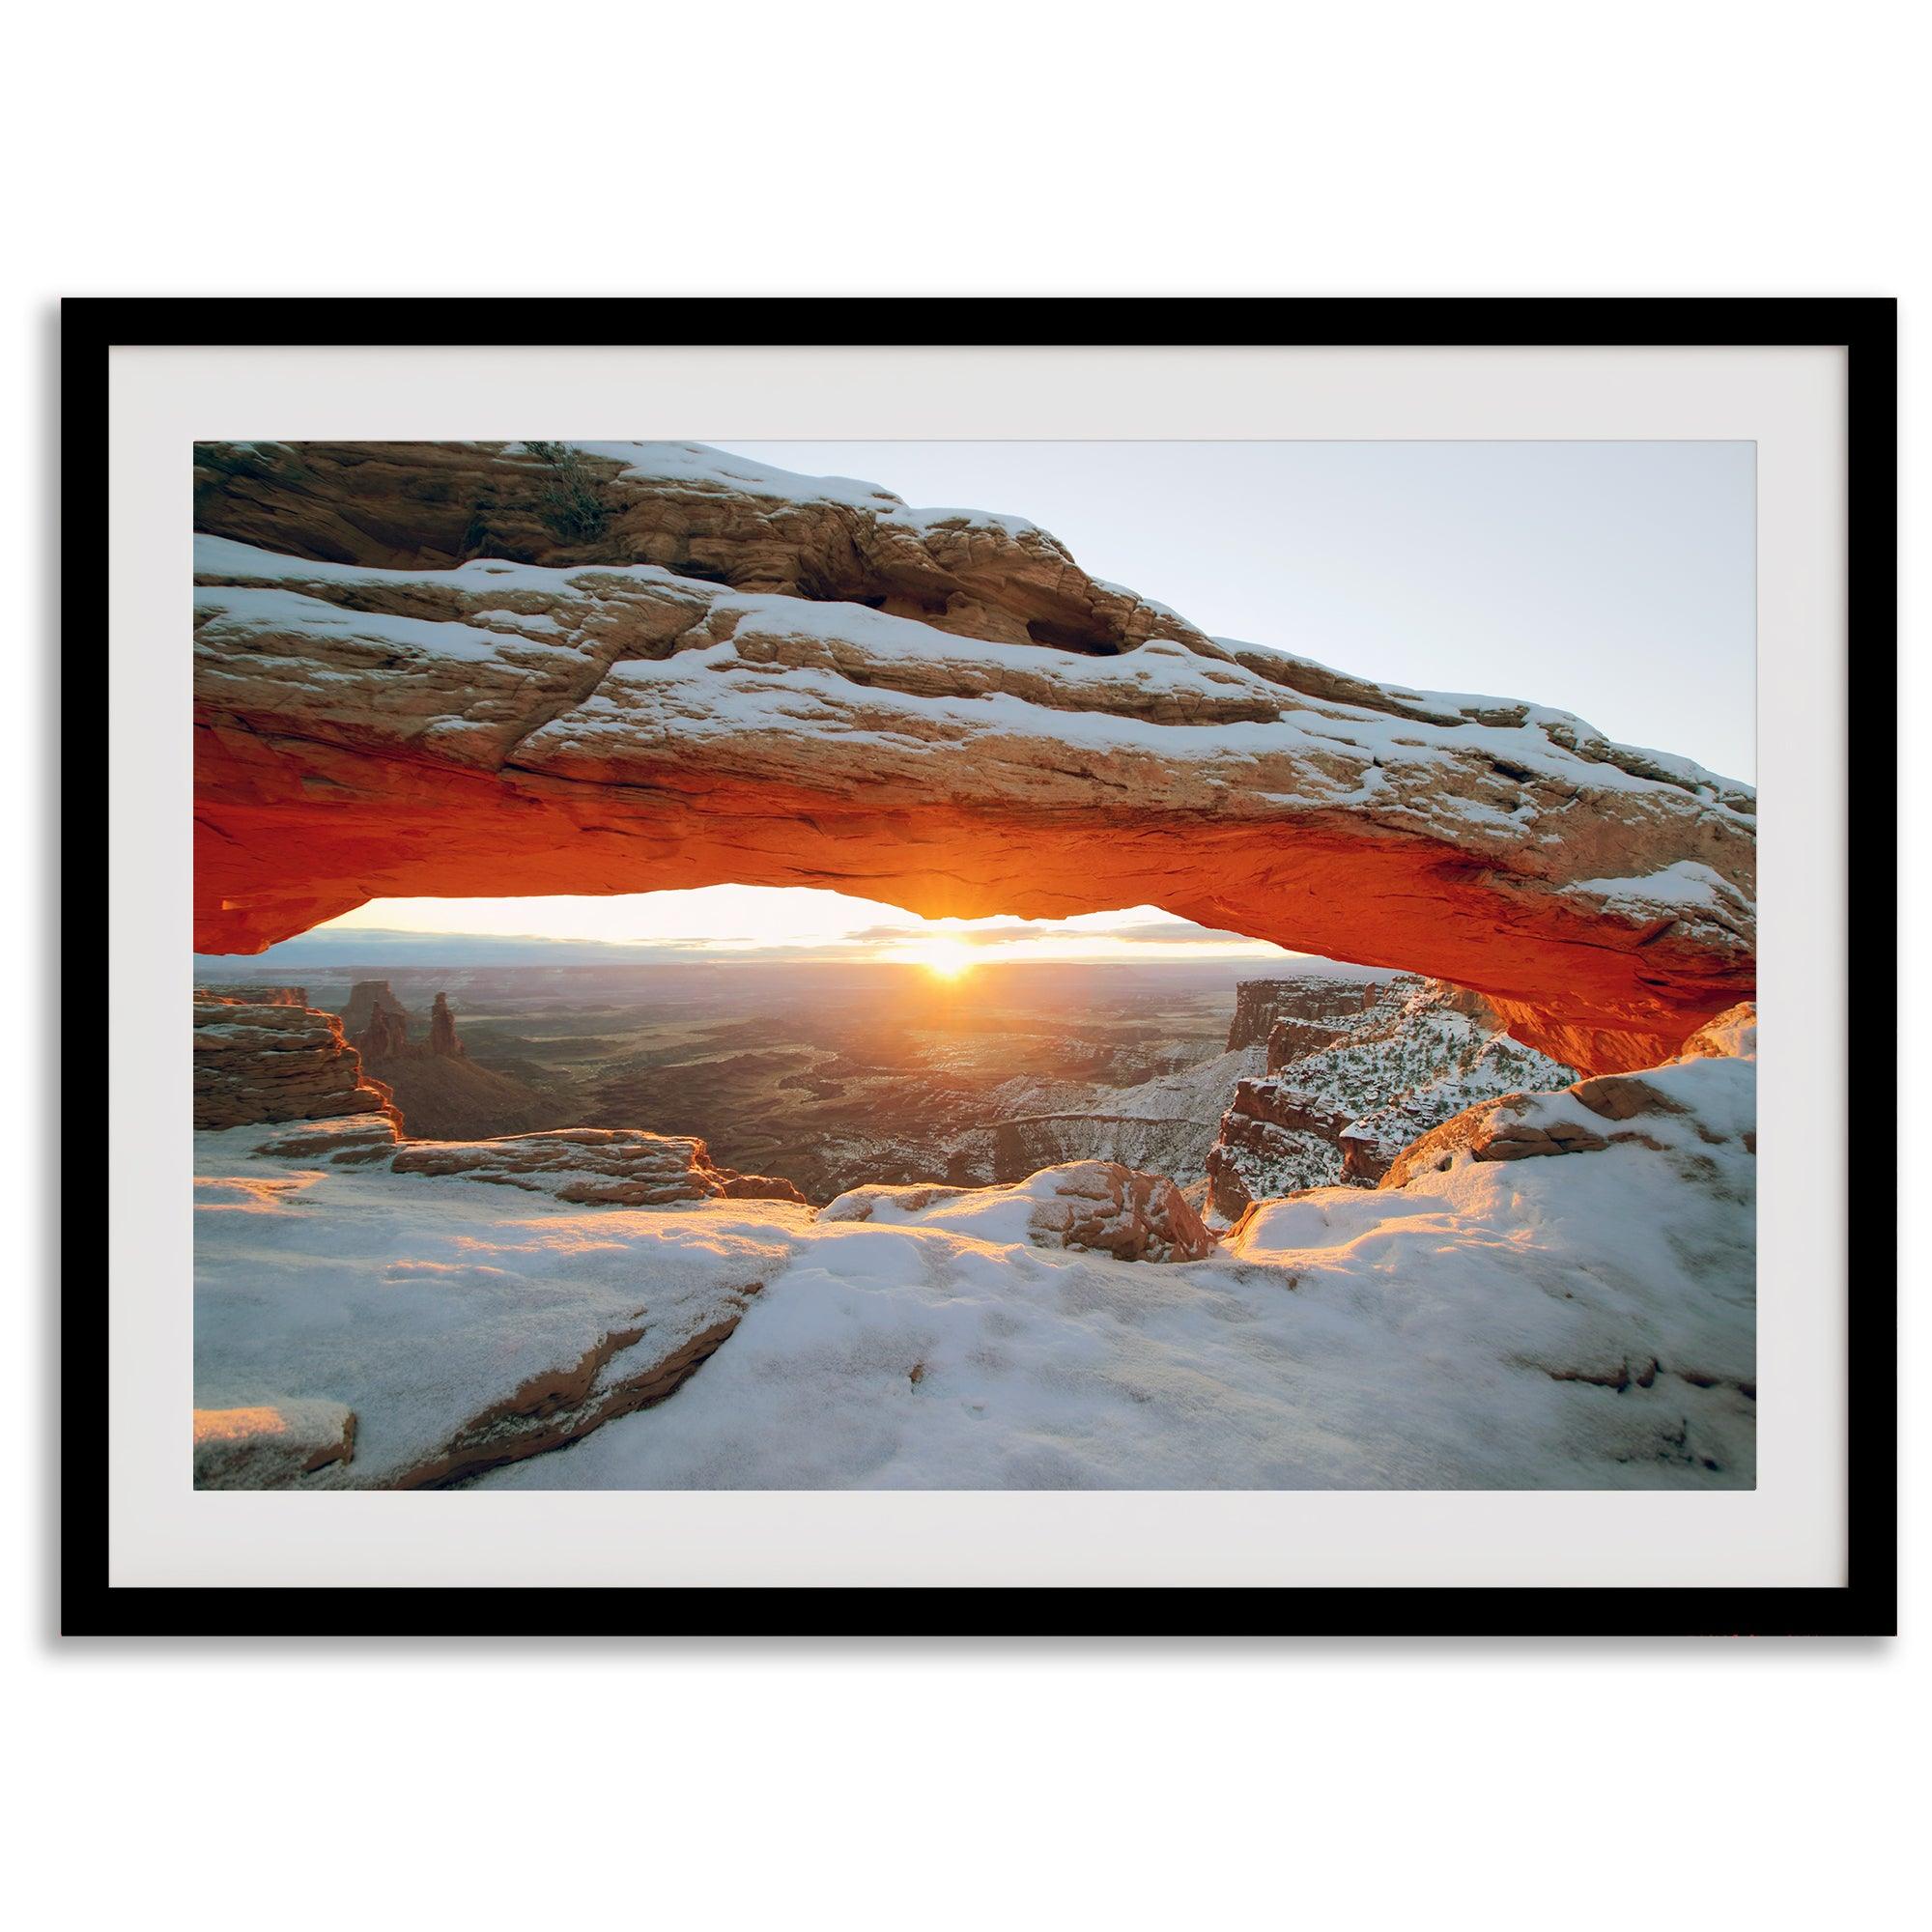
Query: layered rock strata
(276, 1063)
(706, 672)
(250, 994)
(1419, 1054)
(615, 1167)
(1299, 1013)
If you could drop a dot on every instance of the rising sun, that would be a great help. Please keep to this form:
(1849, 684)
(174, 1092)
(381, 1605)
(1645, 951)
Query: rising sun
(943, 958)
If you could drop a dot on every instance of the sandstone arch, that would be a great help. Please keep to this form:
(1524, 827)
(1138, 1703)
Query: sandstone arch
(716, 674)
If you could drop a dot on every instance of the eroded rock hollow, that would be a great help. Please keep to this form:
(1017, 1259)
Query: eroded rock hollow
(498, 669)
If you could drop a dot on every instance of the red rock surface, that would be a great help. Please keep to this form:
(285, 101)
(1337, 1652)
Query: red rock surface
(1035, 743)
(1107, 1209)
(442, 1039)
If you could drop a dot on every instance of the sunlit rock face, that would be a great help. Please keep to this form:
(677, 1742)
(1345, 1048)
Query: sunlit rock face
(1291, 1014)
(502, 670)
(1097, 1206)
(252, 995)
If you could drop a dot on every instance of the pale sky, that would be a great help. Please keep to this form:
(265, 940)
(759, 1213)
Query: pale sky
(1615, 580)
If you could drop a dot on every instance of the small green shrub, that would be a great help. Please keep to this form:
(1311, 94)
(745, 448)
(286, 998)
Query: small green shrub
(569, 506)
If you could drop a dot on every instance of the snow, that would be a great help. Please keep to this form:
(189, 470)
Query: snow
(1563, 728)
(1196, 1092)
(420, 1303)
(1686, 883)
(1471, 1331)
(697, 466)
(717, 692)
(1428, 1338)
(1407, 1064)
(1356, 1339)
(265, 610)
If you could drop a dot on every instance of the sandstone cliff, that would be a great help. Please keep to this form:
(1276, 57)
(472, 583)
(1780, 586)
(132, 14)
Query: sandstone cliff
(1419, 1053)
(276, 1063)
(291, 1066)
(1301, 1012)
(706, 672)
(373, 1004)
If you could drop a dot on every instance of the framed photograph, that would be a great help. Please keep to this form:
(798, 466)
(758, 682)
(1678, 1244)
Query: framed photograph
(1098, 961)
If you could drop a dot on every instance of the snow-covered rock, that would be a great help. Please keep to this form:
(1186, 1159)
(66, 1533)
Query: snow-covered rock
(708, 671)
(624, 1167)
(1553, 1324)
(1556, 1323)
(1095, 1204)
(458, 1326)
(270, 1445)
(1667, 1109)
(1417, 1054)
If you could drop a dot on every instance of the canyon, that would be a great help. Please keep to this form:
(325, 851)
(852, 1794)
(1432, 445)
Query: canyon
(832, 1077)
(379, 1308)
(1549, 1289)
(443, 1092)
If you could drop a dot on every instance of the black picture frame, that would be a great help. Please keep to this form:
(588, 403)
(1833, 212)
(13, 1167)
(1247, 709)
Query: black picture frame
(1865, 328)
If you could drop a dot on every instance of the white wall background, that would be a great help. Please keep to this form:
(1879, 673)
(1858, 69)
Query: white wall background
(1407, 149)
